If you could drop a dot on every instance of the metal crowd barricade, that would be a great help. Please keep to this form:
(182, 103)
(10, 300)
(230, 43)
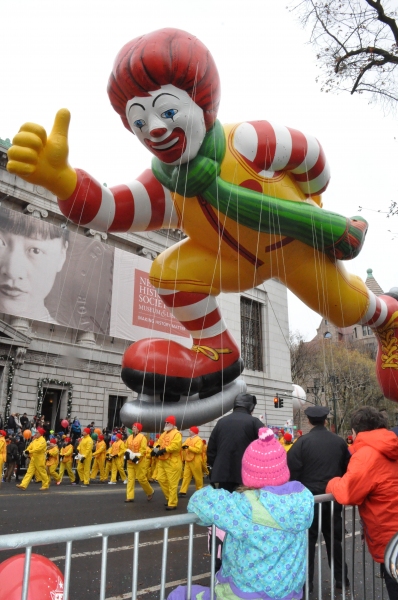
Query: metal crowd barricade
(68, 536)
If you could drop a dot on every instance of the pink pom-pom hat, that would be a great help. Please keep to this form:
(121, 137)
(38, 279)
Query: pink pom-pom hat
(264, 461)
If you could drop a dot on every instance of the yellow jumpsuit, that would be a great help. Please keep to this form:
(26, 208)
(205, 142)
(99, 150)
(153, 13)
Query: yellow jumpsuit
(66, 463)
(193, 464)
(99, 461)
(137, 444)
(108, 464)
(118, 449)
(169, 465)
(3, 454)
(52, 462)
(148, 462)
(85, 448)
(37, 452)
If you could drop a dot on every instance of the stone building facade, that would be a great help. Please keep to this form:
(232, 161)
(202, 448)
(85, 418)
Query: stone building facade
(51, 369)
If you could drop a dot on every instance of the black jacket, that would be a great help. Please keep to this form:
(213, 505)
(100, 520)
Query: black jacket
(12, 453)
(227, 444)
(11, 424)
(316, 458)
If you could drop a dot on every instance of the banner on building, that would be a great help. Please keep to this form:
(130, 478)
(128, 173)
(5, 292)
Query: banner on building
(50, 274)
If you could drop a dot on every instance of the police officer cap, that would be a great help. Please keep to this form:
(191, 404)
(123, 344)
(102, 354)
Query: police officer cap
(246, 401)
(317, 412)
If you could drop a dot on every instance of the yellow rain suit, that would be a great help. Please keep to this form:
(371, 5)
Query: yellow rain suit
(99, 461)
(170, 465)
(3, 454)
(137, 444)
(118, 449)
(66, 463)
(108, 463)
(52, 462)
(85, 448)
(193, 463)
(37, 453)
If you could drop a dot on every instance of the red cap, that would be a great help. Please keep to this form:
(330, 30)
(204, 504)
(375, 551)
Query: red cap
(52, 441)
(349, 437)
(100, 437)
(41, 430)
(288, 437)
(157, 436)
(299, 432)
(171, 420)
(138, 425)
(67, 439)
(2, 432)
(87, 430)
(282, 431)
(119, 436)
(204, 441)
(194, 429)
(150, 443)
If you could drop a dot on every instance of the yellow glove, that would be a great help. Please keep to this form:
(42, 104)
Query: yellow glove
(44, 161)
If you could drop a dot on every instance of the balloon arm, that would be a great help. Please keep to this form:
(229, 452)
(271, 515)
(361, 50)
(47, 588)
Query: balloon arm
(329, 232)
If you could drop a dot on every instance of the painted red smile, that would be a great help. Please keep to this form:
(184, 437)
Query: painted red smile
(170, 149)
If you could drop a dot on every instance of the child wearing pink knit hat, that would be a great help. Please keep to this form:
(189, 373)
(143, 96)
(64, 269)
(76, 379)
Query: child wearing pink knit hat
(265, 521)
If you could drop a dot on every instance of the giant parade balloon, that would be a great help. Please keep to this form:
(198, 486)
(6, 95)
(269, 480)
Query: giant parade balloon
(248, 198)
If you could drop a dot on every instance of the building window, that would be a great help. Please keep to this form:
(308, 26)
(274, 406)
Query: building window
(355, 333)
(114, 405)
(365, 330)
(251, 334)
(326, 321)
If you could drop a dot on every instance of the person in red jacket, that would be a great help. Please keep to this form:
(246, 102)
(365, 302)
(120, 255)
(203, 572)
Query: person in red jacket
(371, 482)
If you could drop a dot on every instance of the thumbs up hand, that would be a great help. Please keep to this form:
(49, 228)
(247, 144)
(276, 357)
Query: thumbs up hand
(43, 160)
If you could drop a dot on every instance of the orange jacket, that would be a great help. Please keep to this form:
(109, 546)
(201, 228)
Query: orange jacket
(371, 482)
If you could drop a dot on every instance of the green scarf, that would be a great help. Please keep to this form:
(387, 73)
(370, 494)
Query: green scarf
(326, 231)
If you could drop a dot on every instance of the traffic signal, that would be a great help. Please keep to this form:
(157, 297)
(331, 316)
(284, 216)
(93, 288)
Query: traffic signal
(280, 402)
(276, 402)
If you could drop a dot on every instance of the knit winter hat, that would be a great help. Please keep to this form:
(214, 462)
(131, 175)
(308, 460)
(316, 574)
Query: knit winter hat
(41, 430)
(194, 429)
(53, 441)
(288, 437)
(87, 430)
(171, 420)
(264, 461)
(138, 425)
(119, 436)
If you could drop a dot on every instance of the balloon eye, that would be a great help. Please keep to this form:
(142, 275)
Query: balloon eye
(170, 113)
(139, 123)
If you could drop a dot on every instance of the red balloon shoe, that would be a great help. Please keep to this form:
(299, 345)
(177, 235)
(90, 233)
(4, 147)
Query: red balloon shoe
(387, 354)
(158, 366)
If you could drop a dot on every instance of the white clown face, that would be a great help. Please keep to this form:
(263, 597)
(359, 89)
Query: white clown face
(168, 123)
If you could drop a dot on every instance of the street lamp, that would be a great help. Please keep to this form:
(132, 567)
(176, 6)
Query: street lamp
(316, 390)
(334, 380)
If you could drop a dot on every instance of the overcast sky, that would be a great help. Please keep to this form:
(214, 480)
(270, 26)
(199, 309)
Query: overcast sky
(60, 54)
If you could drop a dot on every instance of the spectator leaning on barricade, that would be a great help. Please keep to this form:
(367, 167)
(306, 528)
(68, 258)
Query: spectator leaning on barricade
(266, 519)
(371, 483)
(314, 460)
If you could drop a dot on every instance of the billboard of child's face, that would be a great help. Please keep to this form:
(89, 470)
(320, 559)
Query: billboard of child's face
(28, 267)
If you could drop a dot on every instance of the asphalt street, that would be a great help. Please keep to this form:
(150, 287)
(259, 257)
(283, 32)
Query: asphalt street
(72, 506)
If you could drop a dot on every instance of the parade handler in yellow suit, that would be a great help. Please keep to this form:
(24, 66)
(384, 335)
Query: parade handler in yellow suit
(36, 451)
(168, 453)
(117, 451)
(193, 447)
(3, 451)
(66, 460)
(53, 461)
(246, 195)
(99, 459)
(84, 456)
(136, 447)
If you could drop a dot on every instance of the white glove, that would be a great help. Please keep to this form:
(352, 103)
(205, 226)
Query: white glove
(133, 454)
(79, 456)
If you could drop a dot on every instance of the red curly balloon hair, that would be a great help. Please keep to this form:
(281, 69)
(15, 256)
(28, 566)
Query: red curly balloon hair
(166, 56)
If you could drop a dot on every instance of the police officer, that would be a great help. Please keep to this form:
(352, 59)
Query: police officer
(313, 460)
(229, 440)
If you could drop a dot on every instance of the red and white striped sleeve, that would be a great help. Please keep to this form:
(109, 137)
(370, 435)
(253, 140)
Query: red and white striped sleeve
(270, 149)
(143, 205)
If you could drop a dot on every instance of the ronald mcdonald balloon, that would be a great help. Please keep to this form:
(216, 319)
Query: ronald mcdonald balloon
(248, 198)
